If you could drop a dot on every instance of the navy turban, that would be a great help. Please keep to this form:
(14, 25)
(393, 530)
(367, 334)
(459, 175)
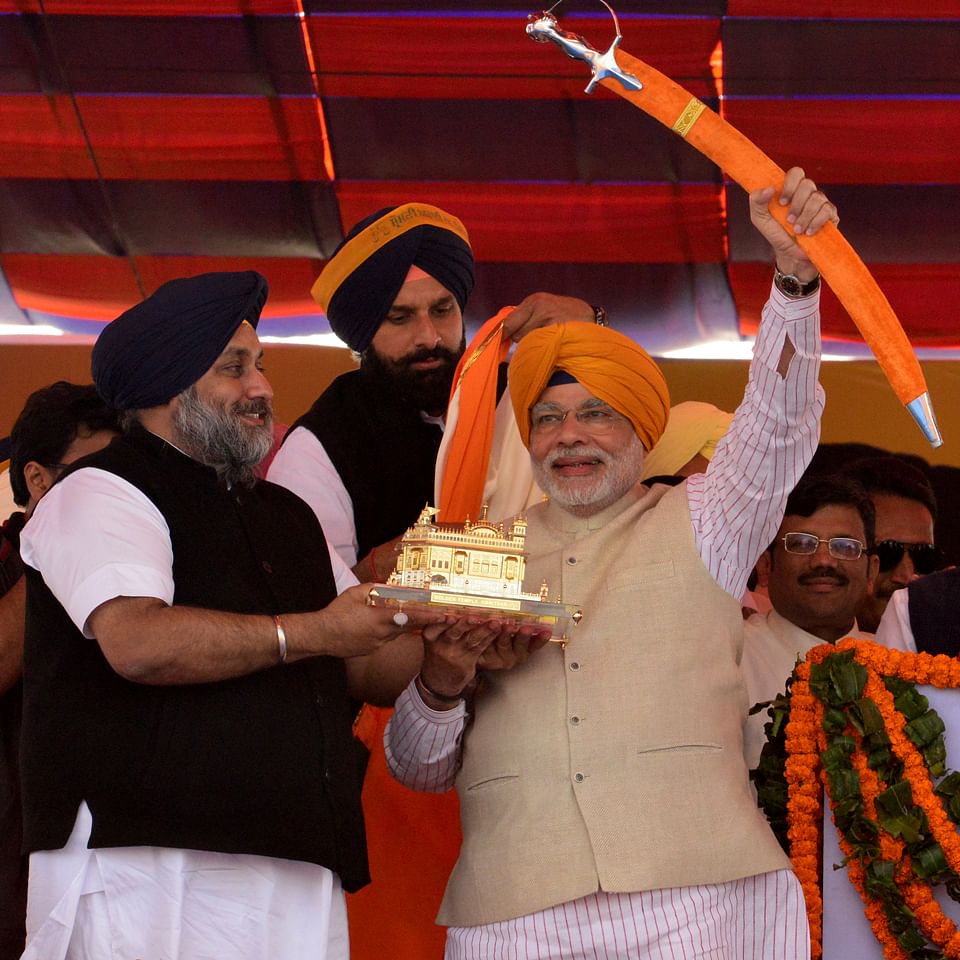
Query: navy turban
(363, 277)
(167, 342)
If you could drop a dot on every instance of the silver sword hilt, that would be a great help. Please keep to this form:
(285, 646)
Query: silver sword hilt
(544, 26)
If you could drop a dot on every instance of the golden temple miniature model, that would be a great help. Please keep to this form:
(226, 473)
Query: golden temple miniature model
(478, 566)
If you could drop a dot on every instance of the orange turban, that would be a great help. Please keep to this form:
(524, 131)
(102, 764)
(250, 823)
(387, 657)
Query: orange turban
(610, 365)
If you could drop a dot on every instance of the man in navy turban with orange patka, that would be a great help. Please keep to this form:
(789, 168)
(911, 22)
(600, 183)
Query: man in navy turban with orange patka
(190, 781)
(363, 457)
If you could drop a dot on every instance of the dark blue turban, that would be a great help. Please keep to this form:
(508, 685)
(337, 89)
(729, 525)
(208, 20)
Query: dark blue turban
(363, 277)
(167, 342)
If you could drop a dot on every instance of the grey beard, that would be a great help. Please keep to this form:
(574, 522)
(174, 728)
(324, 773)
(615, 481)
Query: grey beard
(586, 499)
(217, 438)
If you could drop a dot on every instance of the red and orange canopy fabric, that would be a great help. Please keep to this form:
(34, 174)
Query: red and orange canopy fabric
(146, 139)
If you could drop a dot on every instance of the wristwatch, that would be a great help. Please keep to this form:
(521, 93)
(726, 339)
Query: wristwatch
(794, 287)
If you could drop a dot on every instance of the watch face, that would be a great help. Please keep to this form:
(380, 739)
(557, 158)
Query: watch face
(790, 285)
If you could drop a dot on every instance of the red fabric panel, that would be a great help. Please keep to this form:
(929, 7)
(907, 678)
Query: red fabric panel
(152, 8)
(162, 138)
(828, 9)
(566, 223)
(856, 141)
(921, 295)
(99, 288)
(492, 57)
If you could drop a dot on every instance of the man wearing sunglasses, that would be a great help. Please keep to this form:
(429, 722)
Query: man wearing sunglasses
(906, 510)
(817, 571)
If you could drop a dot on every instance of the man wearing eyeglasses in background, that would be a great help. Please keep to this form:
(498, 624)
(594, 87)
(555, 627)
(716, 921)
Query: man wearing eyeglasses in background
(818, 571)
(906, 509)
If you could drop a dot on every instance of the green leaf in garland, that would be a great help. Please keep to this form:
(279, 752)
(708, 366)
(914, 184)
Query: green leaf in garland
(878, 879)
(929, 861)
(897, 814)
(838, 679)
(869, 719)
(924, 729)
(949, 791)
(838, 753)
(906, 698)
(834, 720)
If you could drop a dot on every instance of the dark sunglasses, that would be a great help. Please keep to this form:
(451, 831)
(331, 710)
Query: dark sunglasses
(925, 556)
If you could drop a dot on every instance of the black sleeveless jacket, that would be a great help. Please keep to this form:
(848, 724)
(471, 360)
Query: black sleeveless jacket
(934, 604)
(383, 450)
(261, 764)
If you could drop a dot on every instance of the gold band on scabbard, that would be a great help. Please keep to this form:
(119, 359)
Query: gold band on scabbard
(691, 113)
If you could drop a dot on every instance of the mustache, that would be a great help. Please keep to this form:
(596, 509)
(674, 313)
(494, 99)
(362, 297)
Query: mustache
(258, 408)
(429, 353)
(583, 452)
(824, 573)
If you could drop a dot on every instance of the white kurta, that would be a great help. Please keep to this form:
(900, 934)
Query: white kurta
(95, 537)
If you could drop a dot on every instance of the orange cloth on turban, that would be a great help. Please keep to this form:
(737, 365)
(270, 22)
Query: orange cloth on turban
(610, 365)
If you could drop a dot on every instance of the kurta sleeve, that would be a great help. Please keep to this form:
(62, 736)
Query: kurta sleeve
(737, 505)
(422, 746)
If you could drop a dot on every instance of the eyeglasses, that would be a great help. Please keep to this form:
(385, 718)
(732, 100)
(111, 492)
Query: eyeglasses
(925, 557)
(840, 548)
(595, 420)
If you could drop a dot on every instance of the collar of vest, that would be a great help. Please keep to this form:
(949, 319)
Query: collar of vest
(162, 449)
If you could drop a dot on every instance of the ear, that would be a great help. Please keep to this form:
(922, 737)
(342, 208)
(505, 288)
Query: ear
(873, 568)
(38, 479)
(762, 569)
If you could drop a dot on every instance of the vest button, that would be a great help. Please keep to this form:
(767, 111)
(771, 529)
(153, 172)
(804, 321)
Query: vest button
(571, 560)
(574, 720)
(575, 665)
(578, 777)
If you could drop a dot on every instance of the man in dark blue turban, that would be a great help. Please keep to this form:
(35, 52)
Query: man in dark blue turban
(191, 662)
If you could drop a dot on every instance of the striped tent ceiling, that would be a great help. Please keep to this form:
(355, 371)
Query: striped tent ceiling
(146, 139)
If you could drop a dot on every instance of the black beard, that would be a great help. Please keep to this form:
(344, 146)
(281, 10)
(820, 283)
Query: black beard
(426, 390)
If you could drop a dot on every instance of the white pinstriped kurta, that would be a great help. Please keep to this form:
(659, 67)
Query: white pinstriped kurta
(735, 509)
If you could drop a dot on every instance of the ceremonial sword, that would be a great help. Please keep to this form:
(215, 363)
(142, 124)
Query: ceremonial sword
(851, 281)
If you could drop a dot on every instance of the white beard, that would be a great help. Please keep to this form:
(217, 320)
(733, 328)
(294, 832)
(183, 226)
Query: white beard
(587, 495)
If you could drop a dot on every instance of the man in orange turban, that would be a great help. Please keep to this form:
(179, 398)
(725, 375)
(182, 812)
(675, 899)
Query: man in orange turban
(605, 802)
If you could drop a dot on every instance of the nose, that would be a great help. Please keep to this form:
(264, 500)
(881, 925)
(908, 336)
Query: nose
(425, 331)
(821, 557)
(904, 572)
(258, 385)
(571, 431)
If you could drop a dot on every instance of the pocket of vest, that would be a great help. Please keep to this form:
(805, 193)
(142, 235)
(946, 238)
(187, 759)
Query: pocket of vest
(488, 783)
(641, 574)
(682, 748)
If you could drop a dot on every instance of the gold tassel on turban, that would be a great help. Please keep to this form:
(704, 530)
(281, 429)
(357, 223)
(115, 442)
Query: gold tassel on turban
(610, 365)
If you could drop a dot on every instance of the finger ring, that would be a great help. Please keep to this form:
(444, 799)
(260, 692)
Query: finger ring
(400, 618)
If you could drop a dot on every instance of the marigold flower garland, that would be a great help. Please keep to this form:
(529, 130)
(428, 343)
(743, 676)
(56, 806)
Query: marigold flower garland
(905, 896)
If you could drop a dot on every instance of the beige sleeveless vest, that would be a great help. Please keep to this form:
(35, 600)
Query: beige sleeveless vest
(617, 762)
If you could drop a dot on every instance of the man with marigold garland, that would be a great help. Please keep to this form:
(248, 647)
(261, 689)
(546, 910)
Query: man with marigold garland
(605, 804)
(817, 572)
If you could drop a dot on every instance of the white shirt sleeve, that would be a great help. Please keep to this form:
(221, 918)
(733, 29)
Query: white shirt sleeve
(737, 505)
(95, 537)
(895, 630)
(303, 466)
(343, 576)
(422, 746)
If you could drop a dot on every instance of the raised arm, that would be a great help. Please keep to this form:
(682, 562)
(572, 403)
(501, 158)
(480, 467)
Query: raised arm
(737, 504)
